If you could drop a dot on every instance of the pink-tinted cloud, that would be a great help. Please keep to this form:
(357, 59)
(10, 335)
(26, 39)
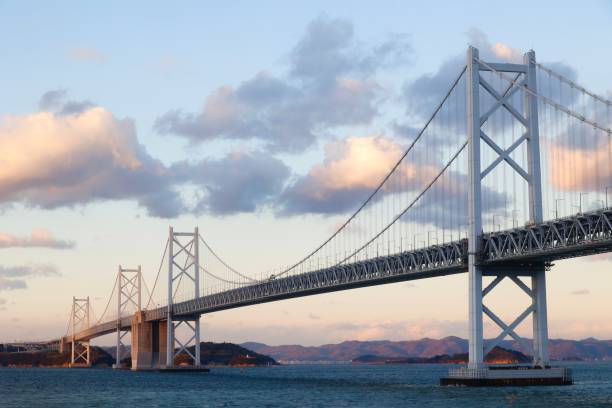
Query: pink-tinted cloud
(352, 168)
(73, 153)
(87, 54)
(51, 160)
(39, 237)
(575, 169)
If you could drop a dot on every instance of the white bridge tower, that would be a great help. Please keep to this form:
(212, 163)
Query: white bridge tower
(524, 80)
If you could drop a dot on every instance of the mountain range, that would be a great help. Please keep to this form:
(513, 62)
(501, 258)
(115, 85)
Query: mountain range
(589, 349)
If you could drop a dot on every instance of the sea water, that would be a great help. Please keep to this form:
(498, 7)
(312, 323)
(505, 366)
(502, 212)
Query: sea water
(290, 386)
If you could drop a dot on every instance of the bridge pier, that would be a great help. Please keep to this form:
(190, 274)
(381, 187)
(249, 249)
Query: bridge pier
(148, 343)
(540, 318)
(63, 345)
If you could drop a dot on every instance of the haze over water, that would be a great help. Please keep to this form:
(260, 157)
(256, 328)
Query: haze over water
(291, 386)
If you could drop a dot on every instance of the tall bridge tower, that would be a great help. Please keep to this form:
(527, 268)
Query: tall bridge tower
(80, 351)
(129, 295)
(524, 77)
(183, 264)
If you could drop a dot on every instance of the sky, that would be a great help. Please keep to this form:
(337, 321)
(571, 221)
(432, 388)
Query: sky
(248, 120)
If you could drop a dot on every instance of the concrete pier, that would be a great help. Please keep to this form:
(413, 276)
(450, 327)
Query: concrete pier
(148, 343)
(508, 376)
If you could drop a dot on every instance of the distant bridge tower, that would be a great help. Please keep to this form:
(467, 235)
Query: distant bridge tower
(524, 76)
(129, 284)
(183, 265)
(80, 354)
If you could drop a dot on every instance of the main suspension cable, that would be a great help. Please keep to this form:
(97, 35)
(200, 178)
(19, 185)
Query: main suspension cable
(109, 301)
(224, 263)
(573, 84)
(222, 279)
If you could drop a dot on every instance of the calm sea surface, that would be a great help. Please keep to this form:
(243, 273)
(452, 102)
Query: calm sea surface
(289, 386)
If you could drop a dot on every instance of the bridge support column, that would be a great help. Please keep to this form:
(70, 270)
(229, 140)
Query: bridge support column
(540, 319)
(474, 210)
(63, 346)
(148, 343)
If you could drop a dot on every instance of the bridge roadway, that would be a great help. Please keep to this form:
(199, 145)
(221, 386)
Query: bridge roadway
(514, 249)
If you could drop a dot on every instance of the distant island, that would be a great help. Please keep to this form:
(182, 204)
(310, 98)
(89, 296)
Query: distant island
(498, 355)
(212, 354)
(589, 349)
(448, 350)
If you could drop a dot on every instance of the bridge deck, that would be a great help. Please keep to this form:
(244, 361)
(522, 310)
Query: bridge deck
(580, 235)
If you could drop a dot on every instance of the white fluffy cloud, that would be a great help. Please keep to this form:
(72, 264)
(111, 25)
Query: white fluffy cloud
(75, 153)
(52, 160)
(330, 83)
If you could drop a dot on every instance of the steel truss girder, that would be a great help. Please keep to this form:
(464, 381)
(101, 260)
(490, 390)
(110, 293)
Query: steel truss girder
(448, 258)
(581, 234)
(567, 237)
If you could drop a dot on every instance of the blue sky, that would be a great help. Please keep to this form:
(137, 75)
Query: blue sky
(142, 60)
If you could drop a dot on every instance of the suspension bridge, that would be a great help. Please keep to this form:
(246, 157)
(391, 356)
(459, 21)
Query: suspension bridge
(510, 172)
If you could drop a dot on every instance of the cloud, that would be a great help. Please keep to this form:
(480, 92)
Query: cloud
(87, 54)
(354, 167)
(28, 271)
(425, 92)
(74, 153)
(12, 278)
(54, 160)
(12, 284)
(581, 292)
(330, 83)
(236, 183)
(575, 168)
(39, 237)
(56, 101)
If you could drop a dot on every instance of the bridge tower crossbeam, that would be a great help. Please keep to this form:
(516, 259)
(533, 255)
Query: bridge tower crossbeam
(525, 77)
